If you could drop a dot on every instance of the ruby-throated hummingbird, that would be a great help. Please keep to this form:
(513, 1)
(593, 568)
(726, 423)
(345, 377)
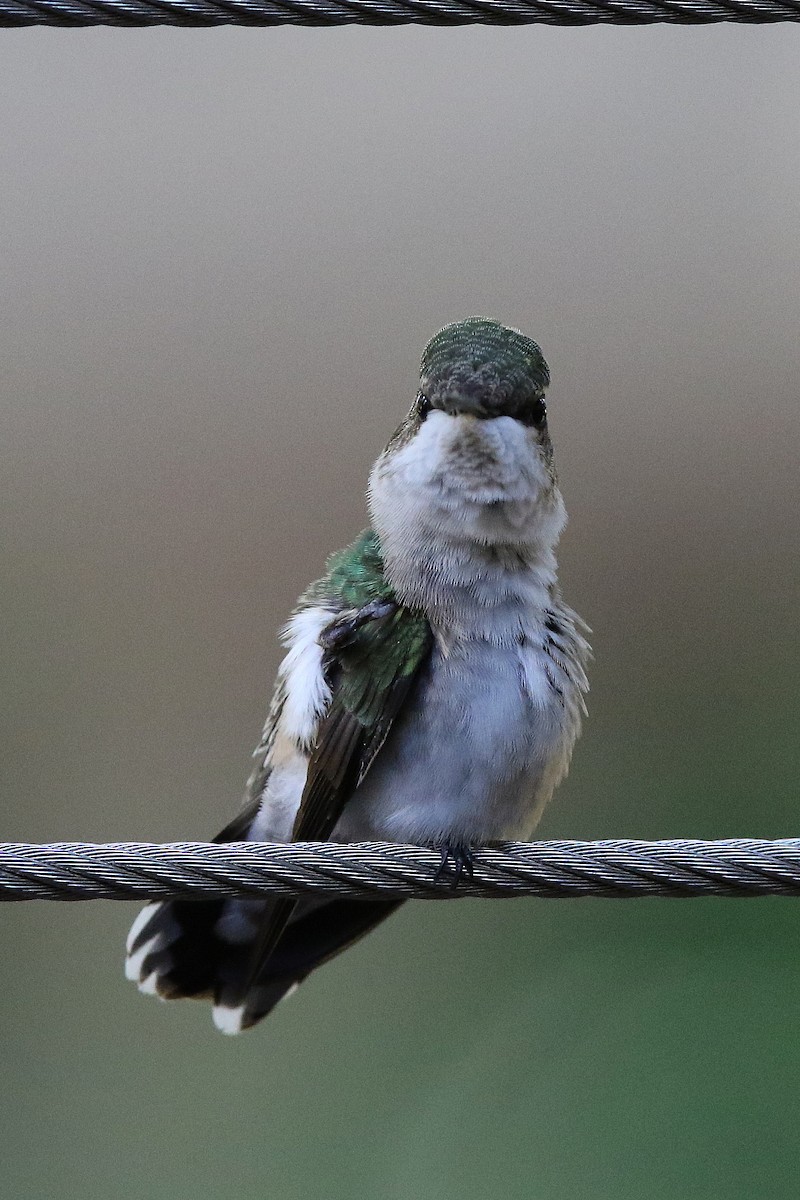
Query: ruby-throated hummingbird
(432, 688)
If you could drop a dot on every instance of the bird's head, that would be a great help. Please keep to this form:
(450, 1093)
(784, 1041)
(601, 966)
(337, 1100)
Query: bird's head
(484, 369)
(473, 458)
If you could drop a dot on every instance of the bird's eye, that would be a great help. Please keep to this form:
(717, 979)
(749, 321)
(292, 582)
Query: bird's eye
(538, 414)
(424, 406)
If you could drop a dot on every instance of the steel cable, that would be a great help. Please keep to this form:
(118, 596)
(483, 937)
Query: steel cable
(199, 870)
(15, 13)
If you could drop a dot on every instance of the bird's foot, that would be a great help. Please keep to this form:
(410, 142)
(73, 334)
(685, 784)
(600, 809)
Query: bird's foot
(456, 860)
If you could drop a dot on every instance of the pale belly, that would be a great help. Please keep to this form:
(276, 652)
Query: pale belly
(483, 743)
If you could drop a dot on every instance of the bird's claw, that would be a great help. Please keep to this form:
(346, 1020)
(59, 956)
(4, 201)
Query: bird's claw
(455, 861)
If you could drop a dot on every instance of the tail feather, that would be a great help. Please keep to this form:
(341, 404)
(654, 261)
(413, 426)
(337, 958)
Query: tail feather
(317, 932)
(204, 950)
(172, 951)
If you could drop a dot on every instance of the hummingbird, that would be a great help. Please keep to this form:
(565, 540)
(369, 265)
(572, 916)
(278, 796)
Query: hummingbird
(432, 688)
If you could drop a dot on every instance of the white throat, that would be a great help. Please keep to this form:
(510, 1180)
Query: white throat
(468, 516)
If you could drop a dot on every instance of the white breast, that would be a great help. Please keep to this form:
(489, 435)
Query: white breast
(468, 516)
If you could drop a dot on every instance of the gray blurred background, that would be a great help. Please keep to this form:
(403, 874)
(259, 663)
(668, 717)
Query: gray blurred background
(222, 254)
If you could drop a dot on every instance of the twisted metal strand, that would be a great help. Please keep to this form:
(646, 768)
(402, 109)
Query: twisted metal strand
(201, 870)
(392, 12)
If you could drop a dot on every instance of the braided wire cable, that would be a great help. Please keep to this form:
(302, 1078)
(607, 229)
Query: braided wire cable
(201, 870)
(15, 13)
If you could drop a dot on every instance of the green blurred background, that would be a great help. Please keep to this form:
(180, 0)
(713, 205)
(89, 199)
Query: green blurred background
(222, 253)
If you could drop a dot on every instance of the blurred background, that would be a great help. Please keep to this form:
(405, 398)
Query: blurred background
(222, 254)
